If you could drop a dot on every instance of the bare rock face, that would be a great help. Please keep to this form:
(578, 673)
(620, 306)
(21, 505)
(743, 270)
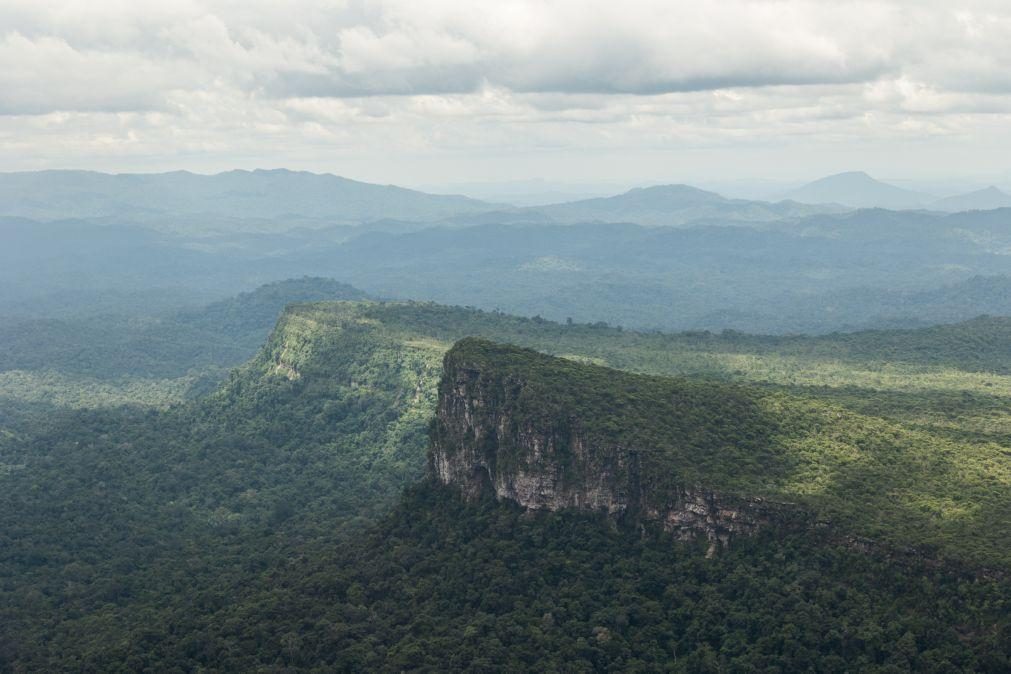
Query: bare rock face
(483, 445)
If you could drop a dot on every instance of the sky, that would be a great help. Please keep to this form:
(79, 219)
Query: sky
(429, 92)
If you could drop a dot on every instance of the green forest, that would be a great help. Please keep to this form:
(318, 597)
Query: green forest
(264, 524)
(396, 336)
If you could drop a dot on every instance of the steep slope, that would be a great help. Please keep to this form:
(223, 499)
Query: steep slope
(859, 190)
(549, 434)
(701, 458)
(234, 532)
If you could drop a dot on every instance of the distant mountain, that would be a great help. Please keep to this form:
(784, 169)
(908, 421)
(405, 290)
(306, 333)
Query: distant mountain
(287, 196)
(272, 201)
(775, 277)
(529, 192)
(255, 312)
(985, 199)
(674, 205)
(858, 190)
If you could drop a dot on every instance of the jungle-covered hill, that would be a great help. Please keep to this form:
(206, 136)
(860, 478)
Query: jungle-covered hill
(258, 526)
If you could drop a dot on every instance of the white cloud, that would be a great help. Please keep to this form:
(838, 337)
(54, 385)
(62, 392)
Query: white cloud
(221, 83)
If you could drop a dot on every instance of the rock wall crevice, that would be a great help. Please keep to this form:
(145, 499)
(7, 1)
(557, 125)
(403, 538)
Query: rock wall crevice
(484, 445)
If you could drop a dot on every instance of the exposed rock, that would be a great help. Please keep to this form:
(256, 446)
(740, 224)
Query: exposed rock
(483, 447)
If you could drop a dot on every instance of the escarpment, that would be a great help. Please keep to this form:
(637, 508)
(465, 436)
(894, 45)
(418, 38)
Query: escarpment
(551, 434)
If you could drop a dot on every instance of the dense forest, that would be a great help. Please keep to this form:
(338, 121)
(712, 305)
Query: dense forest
(122, 358)
(258, 525)
(679, 342)
(440, 585)
(736, 269)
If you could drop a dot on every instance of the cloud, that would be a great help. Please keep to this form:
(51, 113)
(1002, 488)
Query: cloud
(406, 47)
(304, 80)
(591, 47)
(46, 74)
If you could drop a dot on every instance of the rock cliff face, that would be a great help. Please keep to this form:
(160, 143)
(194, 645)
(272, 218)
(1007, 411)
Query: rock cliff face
(485, 444)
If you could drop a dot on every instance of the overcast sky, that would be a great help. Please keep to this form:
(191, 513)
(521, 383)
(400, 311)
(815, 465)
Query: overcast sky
(423, 92)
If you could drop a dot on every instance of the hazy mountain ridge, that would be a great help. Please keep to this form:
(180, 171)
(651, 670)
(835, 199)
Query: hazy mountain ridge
(858, 190)
(280, 200)
(986, 199)
(673, 205)
(813, 273)
(783, 277)
(277, 194)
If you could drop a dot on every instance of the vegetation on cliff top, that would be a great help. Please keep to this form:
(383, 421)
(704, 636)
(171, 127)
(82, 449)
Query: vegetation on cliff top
(866, 475)
(684, 432)
(136, 536)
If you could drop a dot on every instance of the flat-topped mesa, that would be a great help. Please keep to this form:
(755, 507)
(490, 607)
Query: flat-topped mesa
(549, 433)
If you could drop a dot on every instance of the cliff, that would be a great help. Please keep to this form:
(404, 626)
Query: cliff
(550, 434)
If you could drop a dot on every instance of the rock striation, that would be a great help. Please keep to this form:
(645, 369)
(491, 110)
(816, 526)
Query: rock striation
(486, 441)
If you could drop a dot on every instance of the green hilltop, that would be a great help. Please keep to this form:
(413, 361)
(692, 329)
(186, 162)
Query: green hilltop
(129, 531)
(869, 445)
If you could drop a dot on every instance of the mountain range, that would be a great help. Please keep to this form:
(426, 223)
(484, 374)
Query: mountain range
(280, 200)
(675, 205)
(856, 189)
(277, 194)
(986, 199)
(820, 273)
(491, 452)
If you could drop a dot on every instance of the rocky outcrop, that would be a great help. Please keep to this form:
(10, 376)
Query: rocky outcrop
(485, 443)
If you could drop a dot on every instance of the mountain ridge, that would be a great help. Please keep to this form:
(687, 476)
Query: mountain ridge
(986, 199)
(695, 456)
(857, 189)
(254, 500)
(673, 205)
(495, 435)
(272, 193)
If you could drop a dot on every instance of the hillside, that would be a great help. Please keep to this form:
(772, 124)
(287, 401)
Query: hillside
(884, 390)
(552, 434)
(892, 410)
(168, 356)
(241, 515)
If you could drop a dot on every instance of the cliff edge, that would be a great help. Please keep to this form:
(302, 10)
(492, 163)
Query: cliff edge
(549, 434)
